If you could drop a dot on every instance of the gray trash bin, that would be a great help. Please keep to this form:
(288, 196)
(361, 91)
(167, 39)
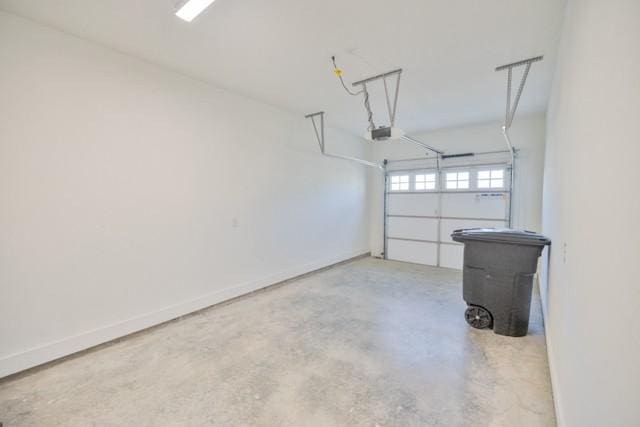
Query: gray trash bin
(499, 265)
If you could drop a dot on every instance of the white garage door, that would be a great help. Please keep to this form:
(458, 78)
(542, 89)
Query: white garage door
(424, 206)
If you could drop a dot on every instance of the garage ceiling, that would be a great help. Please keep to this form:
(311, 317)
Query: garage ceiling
(278, 51)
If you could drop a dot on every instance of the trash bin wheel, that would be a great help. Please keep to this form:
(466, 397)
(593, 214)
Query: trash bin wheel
(478, 317)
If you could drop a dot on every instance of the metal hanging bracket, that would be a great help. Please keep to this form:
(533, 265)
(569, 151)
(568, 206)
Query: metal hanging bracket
(382, 133)
(512, 108)
(319, 131)
(510, 113)
(392, 105)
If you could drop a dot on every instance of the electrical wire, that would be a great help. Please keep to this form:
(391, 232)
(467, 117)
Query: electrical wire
(338, 72)
(367, 105)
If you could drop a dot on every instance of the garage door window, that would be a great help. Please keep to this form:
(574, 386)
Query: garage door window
(493, 178)
(400, 183)
(425, 182)
(457, 180)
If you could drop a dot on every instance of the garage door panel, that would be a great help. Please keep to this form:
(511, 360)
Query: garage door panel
(419, 224)
(474, 205)
(410, 251)
(423, 204)
(413, 228)
(447, 226)
(451, 256)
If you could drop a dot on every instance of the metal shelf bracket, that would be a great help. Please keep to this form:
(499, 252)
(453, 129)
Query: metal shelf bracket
(319, 131)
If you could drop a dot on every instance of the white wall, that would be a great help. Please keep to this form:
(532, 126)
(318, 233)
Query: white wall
(591, 211)
(527, 136)
(130, 195)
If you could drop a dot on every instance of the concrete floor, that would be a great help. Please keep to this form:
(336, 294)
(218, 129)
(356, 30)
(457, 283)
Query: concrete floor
(368, 343)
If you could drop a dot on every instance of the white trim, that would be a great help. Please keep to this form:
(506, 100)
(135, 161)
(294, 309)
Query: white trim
(30, 358)
(553, 373)
(555, 393)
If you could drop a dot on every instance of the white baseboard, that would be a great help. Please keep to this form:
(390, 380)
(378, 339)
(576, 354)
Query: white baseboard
(554, 385)
(30, 358)
(555, 389)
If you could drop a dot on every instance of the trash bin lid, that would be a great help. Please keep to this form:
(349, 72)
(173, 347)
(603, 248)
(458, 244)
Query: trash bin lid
(501, 235)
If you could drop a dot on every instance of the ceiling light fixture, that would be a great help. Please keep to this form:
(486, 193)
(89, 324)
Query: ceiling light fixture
(192, 8)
